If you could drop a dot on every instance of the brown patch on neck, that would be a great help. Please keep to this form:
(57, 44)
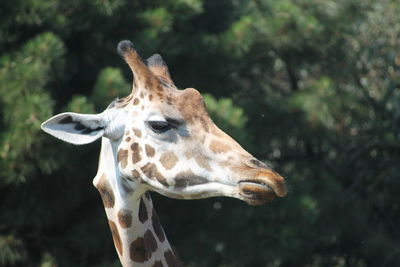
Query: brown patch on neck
(115, 236)
(157, 226)
(106, 192)
(142, 248)
(138, 252)
(157, 264)
(150, 241)
(151, 171)
(143, 216)
(168, 160)
(219, 147)
(171, 259)
(125, 218)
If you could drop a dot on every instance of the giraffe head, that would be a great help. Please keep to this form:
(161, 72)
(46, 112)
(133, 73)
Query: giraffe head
(164, 140)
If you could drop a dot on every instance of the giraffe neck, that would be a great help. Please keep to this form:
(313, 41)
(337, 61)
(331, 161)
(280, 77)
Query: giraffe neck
(137, 234)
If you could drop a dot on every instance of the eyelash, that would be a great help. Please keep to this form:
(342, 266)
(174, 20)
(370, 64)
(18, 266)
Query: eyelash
(159, 126)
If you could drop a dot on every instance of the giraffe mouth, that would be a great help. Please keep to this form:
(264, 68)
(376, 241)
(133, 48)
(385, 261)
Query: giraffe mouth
(256, 192)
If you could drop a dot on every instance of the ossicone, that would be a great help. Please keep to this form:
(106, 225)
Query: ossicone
(124, 46)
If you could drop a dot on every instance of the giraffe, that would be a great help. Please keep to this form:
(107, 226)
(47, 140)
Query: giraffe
(161, 139)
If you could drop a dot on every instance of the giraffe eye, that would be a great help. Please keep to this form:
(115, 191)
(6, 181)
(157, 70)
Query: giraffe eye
(159, 126)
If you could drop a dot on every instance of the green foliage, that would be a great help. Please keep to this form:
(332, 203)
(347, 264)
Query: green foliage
(48, 261)
(80, 104)
(229, 118)
(316, 92)
(25, 104)
(110, 84)
(11, 251)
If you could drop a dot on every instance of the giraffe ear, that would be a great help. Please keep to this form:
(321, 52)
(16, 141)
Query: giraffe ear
(74, 128)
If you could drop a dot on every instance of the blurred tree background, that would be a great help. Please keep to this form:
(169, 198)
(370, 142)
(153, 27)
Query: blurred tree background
(311, 86)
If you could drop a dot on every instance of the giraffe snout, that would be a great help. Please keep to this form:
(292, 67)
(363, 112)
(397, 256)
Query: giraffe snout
(274, 180)
(264, 187)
